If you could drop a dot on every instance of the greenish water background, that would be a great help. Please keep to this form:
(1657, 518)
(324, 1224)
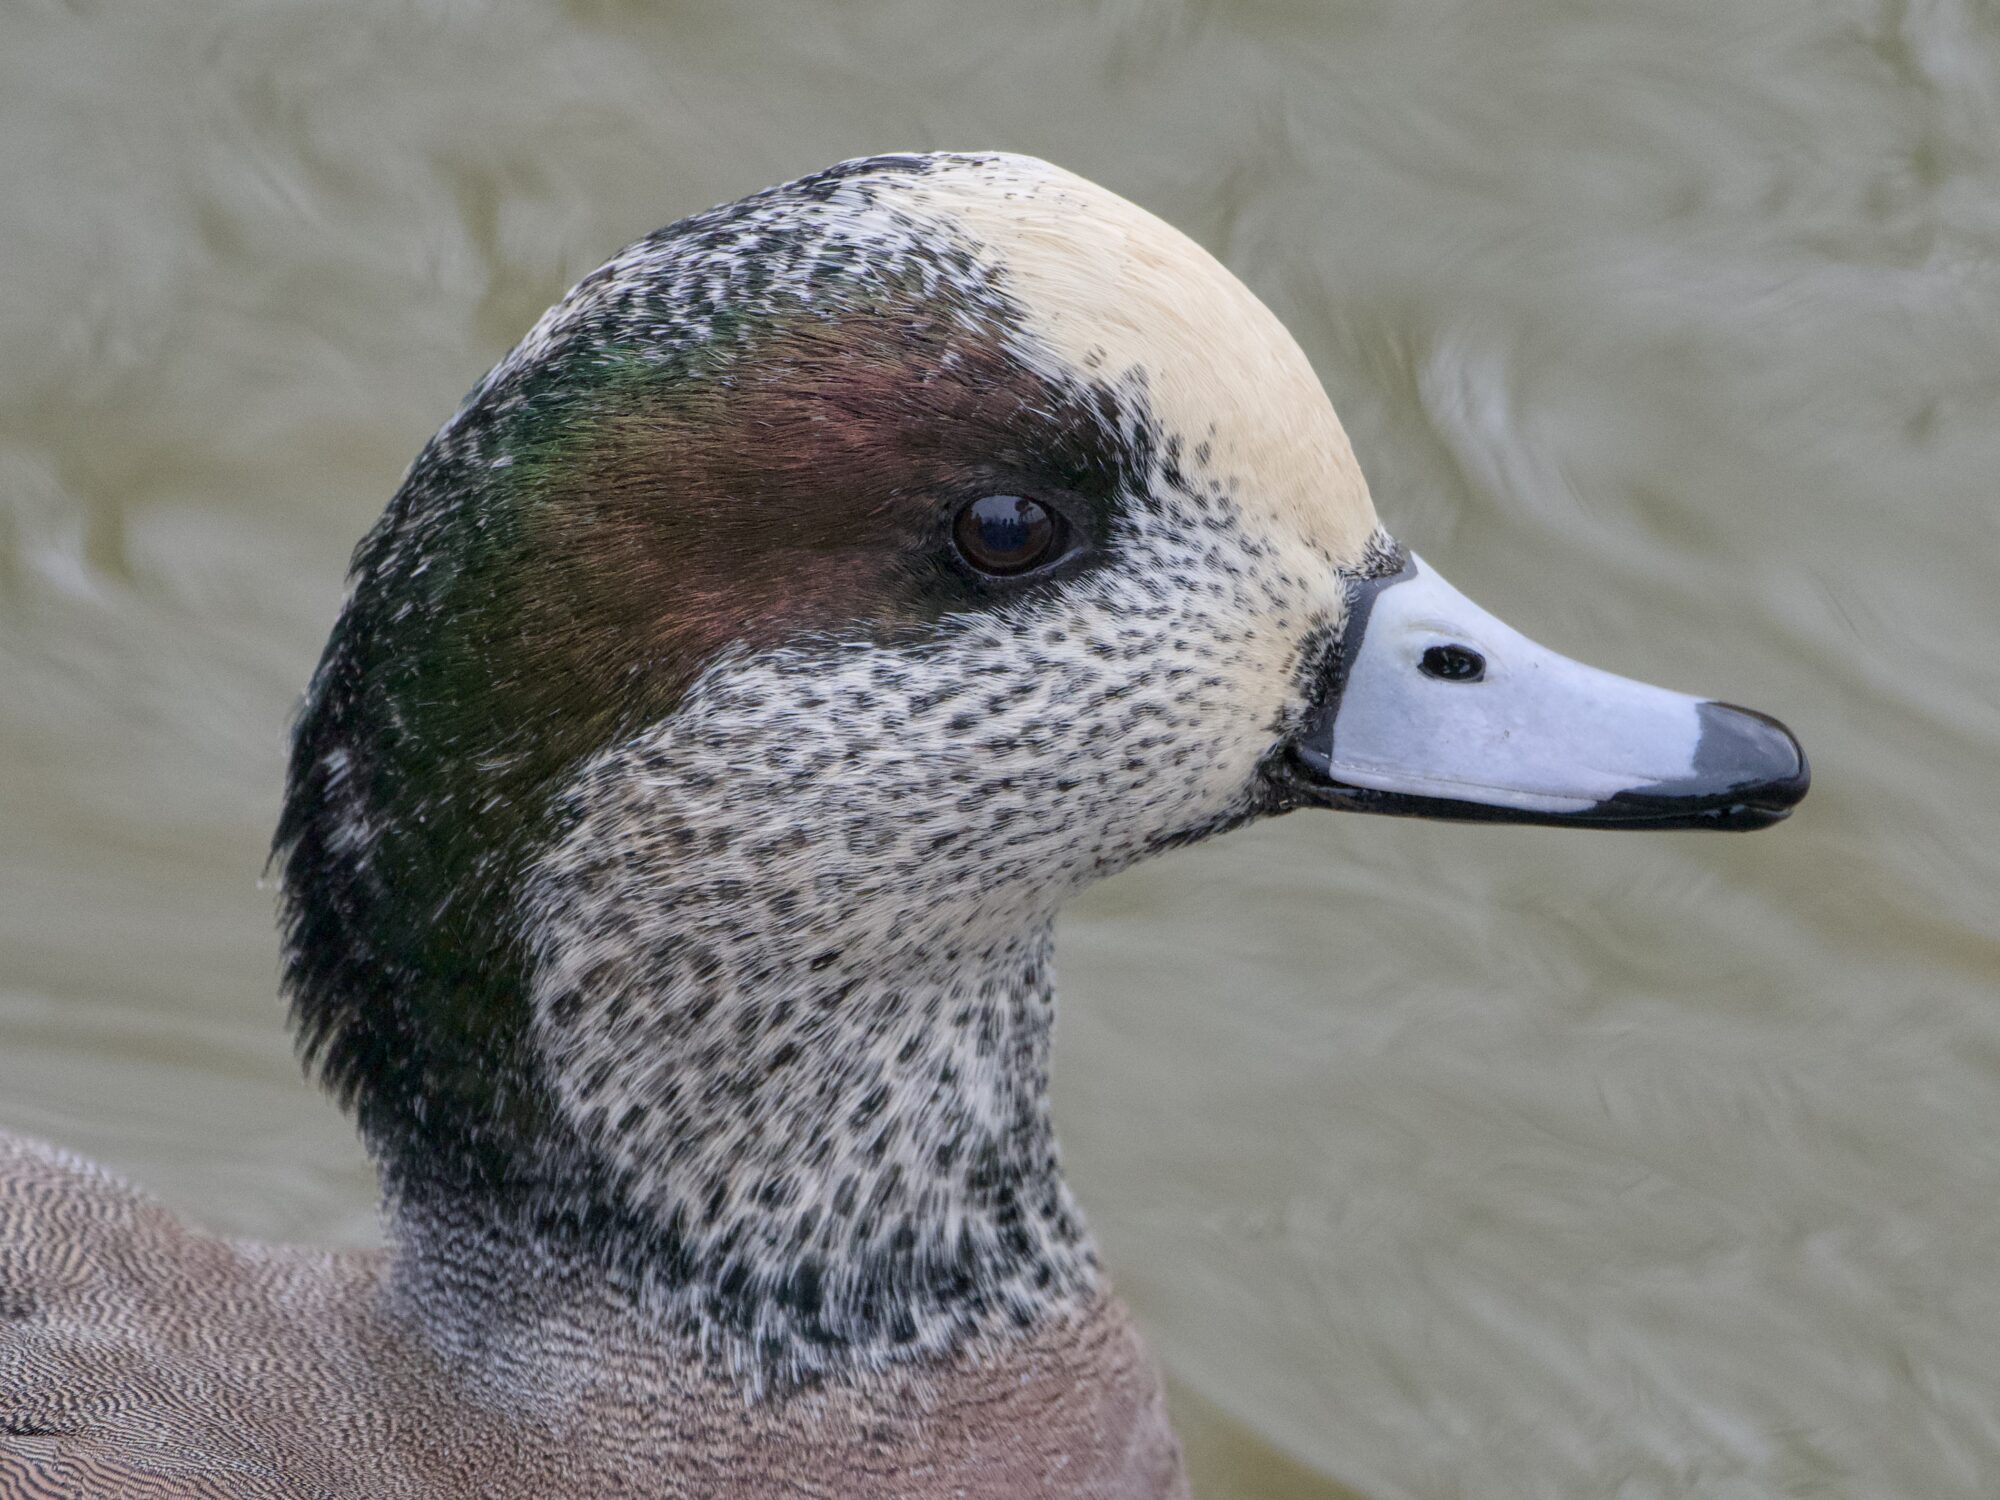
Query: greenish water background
(1438, 1161)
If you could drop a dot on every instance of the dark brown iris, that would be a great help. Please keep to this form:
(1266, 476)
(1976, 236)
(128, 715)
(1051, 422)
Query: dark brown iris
(1007, 534)
(1453, 664)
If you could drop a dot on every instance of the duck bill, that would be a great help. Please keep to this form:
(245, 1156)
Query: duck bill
(1438, 710)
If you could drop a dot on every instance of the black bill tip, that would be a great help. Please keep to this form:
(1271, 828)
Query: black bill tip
(1749, 772)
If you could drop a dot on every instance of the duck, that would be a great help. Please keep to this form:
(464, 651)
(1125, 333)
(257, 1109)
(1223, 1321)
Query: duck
(823, 592)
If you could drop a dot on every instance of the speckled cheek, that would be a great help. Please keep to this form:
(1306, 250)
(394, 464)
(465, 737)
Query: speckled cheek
(820, 892)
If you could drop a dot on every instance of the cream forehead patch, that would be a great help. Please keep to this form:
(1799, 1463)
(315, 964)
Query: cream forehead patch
(1110, 288)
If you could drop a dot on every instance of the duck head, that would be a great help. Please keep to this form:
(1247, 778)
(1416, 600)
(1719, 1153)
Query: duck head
(824, 591)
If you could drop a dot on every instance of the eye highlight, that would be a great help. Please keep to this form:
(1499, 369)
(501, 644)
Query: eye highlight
(1452, 663)
(1004, 535)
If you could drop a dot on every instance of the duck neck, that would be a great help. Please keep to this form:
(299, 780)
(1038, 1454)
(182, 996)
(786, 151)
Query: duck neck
(793, 1158)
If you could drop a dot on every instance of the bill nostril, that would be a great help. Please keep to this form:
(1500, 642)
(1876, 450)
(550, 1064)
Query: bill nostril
(1452, 664)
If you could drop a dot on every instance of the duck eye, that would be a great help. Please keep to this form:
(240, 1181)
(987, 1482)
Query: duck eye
(1003, 535)
(1453, 664)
